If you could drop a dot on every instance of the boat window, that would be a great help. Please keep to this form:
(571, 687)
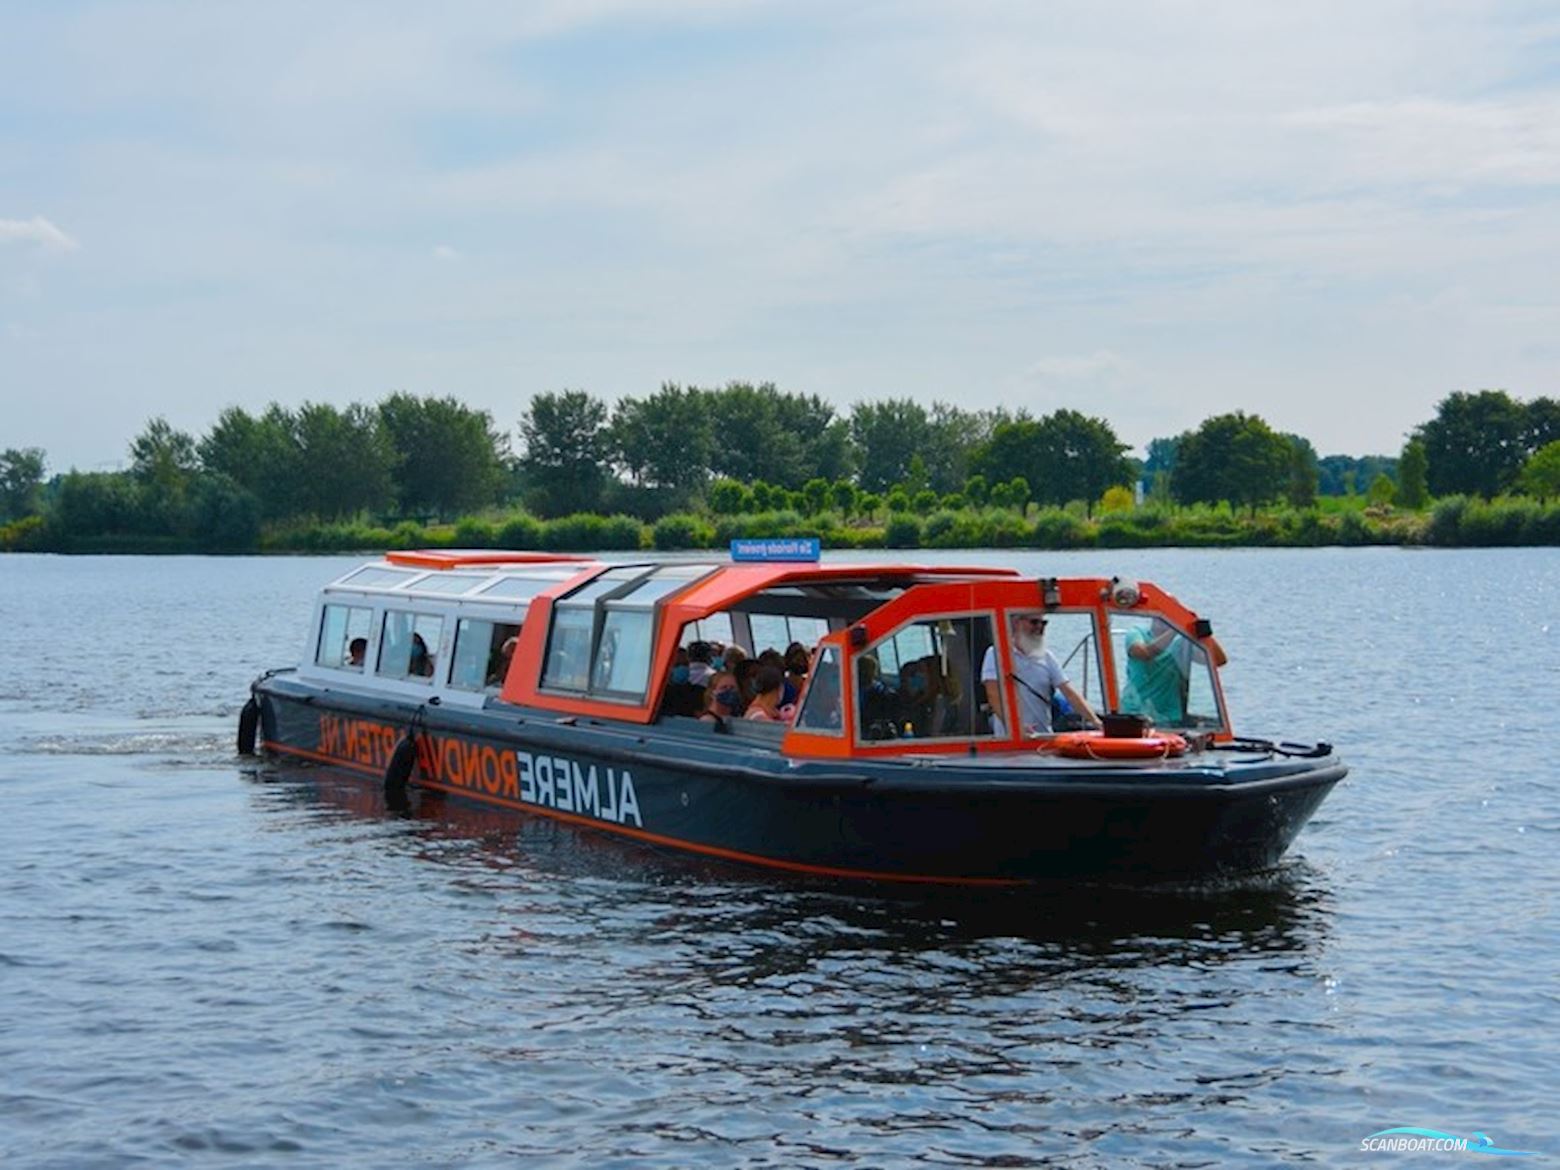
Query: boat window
(1071, 637)
(622, 663)
(768, 632)
(807, 631)
(608, 581)
(517, 588)
(568, 648)
(650, 591)
(714, 628)
(777, 631)
(408, 645)
(1165, 674)
(479, 659)
(920, 682)
(448, 582)
(344, 634)
(820, 710)
(375, 576)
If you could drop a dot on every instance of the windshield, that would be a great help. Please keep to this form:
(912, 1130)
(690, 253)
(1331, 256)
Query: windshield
(1163, 673)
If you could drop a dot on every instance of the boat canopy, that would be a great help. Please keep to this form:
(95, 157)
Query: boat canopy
(907, 658)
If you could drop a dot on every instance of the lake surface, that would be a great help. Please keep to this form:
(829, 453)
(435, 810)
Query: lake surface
(205, 960)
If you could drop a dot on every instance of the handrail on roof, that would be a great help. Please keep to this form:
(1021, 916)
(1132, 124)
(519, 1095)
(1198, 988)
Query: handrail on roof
(456, 558)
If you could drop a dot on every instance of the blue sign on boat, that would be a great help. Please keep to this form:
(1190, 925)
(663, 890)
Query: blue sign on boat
(777, 548)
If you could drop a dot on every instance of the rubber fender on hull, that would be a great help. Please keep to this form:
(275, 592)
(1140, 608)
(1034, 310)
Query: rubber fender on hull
(399, 770)
(248, 726)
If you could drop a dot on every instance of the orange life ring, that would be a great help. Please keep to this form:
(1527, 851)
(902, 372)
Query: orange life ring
(1091, 745)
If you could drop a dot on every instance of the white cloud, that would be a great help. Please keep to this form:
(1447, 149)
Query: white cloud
(445, 252)
(36, 230)
(1090, 365)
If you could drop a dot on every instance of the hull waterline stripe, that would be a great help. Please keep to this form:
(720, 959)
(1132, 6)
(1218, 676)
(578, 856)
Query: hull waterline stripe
(654, 838)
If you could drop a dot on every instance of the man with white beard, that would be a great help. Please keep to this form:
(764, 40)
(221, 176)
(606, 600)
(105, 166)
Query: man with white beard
(1037, 676)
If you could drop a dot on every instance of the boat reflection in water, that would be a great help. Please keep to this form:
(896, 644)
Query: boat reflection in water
(749, 927)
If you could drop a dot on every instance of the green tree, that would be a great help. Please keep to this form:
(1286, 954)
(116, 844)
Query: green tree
(21, 475)
(784, 439)
(264, 456)
(1474, 443)
(887, 436)
(448, 458)
(1079, 458)
(1014, 447)
(347, 459)
(1159, 458)
(163, 458)
(564, 458)
(954, 436)
(844, 495)
(1541, 475)
(665, 440)
(870, 505)
(924, 501)
(727, 497)
(1235, 457)
(224, 516)
(1540, 424)
(1063, 457)
(100, 503)
(815, 495)
(1413, 487)
(1301, 491)
(1381, 491)
(975, 489)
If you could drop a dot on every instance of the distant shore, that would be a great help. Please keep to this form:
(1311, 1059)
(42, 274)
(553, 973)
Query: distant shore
(1453, 522)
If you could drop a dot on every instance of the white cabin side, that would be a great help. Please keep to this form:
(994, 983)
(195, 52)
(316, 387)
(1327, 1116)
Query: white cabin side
(424, 632)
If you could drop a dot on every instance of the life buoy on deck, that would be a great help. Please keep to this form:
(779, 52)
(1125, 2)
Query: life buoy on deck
(1091, 745)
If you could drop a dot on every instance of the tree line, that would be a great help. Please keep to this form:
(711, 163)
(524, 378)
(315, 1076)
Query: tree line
(740, 448)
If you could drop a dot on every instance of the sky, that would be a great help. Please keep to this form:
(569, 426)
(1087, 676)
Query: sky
(1330, 214)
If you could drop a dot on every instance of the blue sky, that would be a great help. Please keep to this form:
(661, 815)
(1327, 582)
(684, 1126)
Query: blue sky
(1332, 214)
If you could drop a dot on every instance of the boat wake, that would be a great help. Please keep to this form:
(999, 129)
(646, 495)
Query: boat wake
(193, 747)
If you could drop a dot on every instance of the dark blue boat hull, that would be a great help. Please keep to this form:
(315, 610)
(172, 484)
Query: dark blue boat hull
(682, 784)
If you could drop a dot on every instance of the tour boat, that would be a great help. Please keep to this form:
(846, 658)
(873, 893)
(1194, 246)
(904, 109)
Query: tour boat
(921, 748)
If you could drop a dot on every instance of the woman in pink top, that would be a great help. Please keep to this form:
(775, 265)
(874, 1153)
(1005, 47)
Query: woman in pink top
(768, 685)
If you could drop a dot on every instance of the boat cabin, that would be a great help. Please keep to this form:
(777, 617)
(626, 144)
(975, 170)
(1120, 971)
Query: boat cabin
(905, 659)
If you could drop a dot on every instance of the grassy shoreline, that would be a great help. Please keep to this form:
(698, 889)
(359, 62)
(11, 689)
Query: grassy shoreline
(1453, 522)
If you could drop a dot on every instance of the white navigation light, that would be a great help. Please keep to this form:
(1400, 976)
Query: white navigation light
(1124, 593)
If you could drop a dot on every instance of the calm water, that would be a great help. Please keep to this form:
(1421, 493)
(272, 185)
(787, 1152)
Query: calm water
(208, 961)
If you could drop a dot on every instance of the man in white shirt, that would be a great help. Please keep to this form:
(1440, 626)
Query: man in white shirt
(1037, 675)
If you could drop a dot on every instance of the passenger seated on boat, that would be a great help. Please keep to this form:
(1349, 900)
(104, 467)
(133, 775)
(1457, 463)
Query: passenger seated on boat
(356, 649)
(744, 671)
(918, 692)
(796, 662)
(421, 661)
(731, 656)
(500, 668)
(877, 702)
(766, 705)
(679, 696)
(700, 667)
(1036, 675)
(722, 699)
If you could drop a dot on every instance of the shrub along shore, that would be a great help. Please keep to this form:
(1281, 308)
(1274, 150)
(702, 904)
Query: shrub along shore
(1453, 522)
